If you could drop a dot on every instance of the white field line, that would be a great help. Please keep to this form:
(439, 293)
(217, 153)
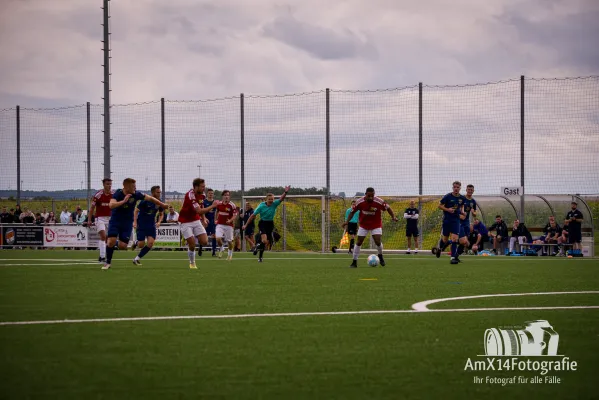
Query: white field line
(307, 314)
(423, 305)
(59, 264)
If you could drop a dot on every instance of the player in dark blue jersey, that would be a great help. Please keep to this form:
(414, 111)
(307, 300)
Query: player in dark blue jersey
(411, 216)
(145, 224)
(120, 226)
(211, 227)
(452, 205)
(470, 206)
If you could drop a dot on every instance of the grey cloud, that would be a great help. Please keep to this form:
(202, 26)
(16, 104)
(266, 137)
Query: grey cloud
(320, 42)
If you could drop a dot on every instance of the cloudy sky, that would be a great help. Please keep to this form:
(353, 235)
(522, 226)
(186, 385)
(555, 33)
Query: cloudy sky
(193, 50)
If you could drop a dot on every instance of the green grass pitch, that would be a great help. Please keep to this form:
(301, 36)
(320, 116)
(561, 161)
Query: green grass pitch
(407, 355)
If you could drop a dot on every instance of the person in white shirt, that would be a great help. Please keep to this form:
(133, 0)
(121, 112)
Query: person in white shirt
(172, 216)
(45, 213)
(65, 216)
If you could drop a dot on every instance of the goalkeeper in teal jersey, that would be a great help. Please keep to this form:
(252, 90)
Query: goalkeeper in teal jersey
(352, 226)
(266, 210)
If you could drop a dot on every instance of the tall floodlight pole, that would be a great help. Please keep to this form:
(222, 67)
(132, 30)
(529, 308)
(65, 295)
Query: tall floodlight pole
(106, 83)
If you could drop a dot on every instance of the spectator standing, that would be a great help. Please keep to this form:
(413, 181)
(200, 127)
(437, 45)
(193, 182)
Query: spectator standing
(6, 217)
(575, 229)
(45, 214)
(65, 216)
(39, 219)
(172, 216)
(27, 216)
(501, 233)
(18, 213)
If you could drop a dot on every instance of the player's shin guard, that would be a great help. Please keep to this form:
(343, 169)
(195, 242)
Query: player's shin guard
(454, 249)
(145, 250)
(102, 247)
(109, 253)
(356, 251)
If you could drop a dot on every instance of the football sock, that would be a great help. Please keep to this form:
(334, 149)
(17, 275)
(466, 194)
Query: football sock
(230, 253)
(102, 247)
(213, 245)
(460, 249)
(454, 249)
(145, 250)
(356, 251)
(351, 244)
(380, 249)
(192, 256)
(443, 245)
(109, 252)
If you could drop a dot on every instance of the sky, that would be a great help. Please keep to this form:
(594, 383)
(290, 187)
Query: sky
(196, 50)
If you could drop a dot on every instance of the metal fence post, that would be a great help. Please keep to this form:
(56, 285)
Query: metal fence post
(163, 145)
(522, 148)
(420, 156)
(326, 231)
(18, 155)
(89, 156)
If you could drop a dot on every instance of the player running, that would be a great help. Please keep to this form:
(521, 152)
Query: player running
(144, 222)
(100, 204)
(266, 210)
(226, 214)
(122, 205)
(452, 205)
(371, 221)
(211, 227)
(469, 206)
(189, 217)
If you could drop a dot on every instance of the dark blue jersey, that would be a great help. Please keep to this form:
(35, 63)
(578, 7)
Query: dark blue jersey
(469, 205)
(124, 213)
(453, 202)
(246, 216)
(210, 214)
(411, 223)
(147, 214)
(574, 225)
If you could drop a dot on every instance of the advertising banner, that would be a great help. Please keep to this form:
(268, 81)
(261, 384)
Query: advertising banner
(64, 236)
(168, 236)
(23, 235)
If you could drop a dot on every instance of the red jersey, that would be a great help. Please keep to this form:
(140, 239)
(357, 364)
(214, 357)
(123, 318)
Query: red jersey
(370, 213)
(188, 211)
(102, 200)
(225, 212)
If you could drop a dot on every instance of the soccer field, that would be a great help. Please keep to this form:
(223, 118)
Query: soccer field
(244, 330)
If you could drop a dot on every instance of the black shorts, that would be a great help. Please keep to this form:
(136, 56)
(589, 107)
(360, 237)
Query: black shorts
(266, 227)
(412, 232)
(249, 231)
(574, 236)
(352, 228)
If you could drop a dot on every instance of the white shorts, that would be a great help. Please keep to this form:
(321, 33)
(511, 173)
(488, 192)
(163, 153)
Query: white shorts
(190, 229)
(102, 223)
(364, 232)
(224, 231)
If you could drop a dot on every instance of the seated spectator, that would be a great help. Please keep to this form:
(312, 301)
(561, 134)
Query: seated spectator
(65, 216)
(51, 220)
(483, 231)
(501, 233)
(78, 217)
(563, 238)
(552, 232)
(520, 235)
(6, 217)
(172, 216)
(39, 220)
(74, 216)
(27, 216)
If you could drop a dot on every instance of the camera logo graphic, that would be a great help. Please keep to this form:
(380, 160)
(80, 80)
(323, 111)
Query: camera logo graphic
(538, 338)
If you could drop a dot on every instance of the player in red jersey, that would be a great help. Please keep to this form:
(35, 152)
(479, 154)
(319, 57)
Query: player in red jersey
(371, 221)
(100, 204)
(226, 214)
(192, 225)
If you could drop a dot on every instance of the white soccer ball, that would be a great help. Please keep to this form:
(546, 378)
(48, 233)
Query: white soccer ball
(373, 260)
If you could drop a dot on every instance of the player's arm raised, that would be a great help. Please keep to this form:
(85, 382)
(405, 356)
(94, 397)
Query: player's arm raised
(116, 204)
(282, 198)
(204, 210)
(155, 201)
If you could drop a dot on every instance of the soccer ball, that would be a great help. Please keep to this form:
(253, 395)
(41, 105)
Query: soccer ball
(373, 260)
